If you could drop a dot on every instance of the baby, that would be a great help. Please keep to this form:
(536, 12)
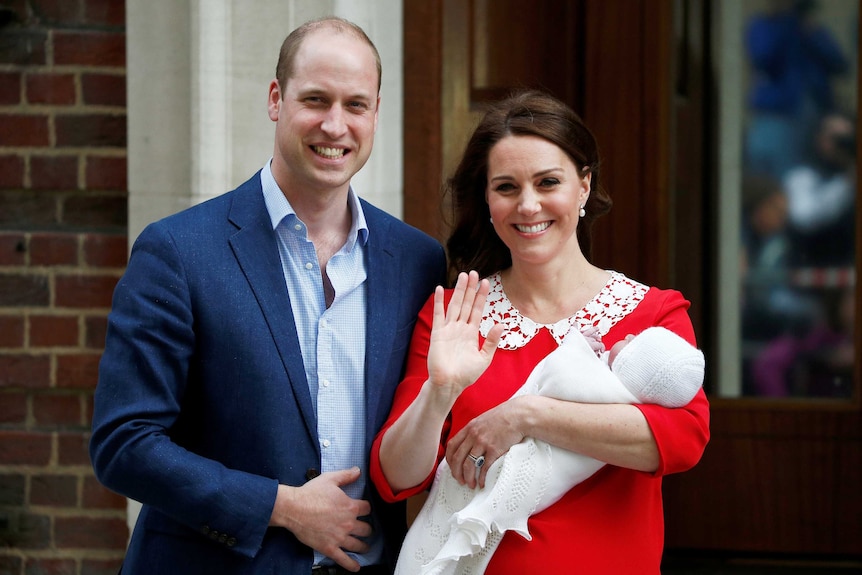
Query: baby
(459, 528)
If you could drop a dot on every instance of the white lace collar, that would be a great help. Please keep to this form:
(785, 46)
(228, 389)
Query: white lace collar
(615, 301)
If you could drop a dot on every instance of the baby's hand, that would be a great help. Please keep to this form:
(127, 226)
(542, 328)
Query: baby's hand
(594, 339)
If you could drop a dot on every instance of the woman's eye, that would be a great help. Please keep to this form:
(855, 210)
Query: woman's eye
(549, 182)
(504, 187)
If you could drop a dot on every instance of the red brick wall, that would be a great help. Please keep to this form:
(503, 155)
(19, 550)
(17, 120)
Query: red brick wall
(62, 248)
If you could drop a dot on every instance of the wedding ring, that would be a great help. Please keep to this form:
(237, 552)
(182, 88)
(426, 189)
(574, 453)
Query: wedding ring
(477, 461)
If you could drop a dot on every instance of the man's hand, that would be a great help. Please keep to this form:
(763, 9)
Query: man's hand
(323, 517)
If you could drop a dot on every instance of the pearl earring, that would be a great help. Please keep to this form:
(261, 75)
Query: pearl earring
(583, 212)
(491, 220)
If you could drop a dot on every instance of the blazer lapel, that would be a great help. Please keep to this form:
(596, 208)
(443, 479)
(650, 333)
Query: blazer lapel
(256, 249)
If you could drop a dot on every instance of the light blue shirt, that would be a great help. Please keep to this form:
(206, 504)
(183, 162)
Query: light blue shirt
(332, 339)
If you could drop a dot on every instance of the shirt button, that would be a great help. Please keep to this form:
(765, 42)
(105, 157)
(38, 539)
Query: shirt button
(326, 443)
(325, 383)
(309, 265)
(297, 227)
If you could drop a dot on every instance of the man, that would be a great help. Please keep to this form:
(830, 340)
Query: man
(255, 342)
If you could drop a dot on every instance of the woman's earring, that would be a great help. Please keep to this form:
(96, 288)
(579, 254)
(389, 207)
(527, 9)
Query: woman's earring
(491, 220)
(583, 212)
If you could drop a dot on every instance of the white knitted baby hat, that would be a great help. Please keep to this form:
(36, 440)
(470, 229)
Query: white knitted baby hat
(658, 366)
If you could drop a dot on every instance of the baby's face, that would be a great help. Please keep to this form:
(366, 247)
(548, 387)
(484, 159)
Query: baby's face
(617, 347)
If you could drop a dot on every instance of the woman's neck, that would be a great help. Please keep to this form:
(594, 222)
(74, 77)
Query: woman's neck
(547, 294)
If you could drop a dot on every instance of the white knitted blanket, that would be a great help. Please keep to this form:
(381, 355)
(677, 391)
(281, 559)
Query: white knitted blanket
(458, 528)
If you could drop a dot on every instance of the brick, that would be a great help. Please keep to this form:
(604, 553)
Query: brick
(18, 9)
(13, 249)
(105, 13)
(104, 89)
(52, 410)
(23, 47)
(88, 409)
(90, 533)
(53, 331)
(51, 89)
(84, 291)
(54, 490)
(57, 12)
(10, 88)
(97, 496)
(54, 172)
(91, 566)
(23, 290)
(9, 565)
(91, 130)
(72, 448)
(104, 212)
(11, 172)
(20, 210)
(12, 490)
(53, 249)
(96, 328)
(25, 371)
(24, 448)
(46, 566)
(106, 173)
(105, 251)
(26, 531)
(13, 409)
(11, 331)
(83, 48)
(78, 371)
(24, 130)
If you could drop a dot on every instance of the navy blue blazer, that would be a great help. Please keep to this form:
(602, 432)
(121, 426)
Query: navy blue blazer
(202, 406)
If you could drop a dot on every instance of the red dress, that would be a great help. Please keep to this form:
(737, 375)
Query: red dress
(612, 523)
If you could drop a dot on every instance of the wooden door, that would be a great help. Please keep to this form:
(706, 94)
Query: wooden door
(778, 477)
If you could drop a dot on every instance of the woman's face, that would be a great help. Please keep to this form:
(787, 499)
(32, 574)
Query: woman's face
(534, 195)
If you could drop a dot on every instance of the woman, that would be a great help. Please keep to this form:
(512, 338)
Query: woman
(524, 196)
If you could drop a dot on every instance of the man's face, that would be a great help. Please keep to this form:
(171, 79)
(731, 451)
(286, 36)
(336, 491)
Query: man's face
(327, 114)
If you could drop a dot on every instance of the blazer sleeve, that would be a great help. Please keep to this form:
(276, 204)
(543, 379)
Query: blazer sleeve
(143, 378)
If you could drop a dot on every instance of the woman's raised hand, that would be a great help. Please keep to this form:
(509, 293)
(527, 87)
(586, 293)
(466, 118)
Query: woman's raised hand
(455, 359)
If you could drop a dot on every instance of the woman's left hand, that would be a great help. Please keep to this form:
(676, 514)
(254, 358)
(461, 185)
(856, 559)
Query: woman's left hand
(490, 434)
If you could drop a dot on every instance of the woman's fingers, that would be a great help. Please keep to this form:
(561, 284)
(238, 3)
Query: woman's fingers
(453, 312)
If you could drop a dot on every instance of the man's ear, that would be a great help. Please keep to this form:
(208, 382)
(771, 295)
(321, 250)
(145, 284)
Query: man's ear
(274, 100)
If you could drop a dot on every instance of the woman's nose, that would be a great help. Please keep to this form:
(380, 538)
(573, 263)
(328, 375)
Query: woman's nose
(529, 202)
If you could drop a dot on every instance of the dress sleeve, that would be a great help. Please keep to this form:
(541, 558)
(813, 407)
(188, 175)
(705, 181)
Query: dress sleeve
(681, 434)
(416, 373)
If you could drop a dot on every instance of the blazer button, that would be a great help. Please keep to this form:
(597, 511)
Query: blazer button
(231, 541)
(311, 473)
(205, 529)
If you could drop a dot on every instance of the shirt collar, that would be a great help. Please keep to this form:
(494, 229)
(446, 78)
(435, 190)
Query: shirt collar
(279, 208)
